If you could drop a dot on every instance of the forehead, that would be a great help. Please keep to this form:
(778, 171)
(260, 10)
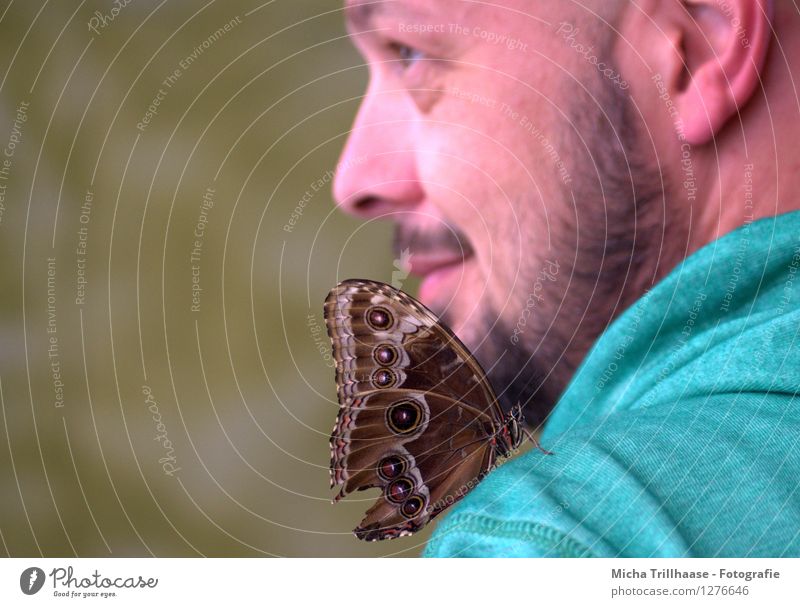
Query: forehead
(499, 18)
(364, 11)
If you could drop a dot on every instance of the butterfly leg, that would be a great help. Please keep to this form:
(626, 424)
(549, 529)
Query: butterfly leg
(536, 442)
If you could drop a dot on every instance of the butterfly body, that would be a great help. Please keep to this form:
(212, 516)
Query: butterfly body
(417, 418)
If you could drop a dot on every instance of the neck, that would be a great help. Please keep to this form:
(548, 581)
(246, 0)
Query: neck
(751, 167)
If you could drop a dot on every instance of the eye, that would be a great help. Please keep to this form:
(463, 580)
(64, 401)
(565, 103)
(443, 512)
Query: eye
(417, 70)
(407, 55)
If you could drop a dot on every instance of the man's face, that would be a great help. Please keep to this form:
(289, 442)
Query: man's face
(491, 139)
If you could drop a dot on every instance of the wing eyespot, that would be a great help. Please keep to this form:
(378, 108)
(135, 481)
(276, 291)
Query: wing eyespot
(391, 467)
(378, 318)
(399, 490)
(385, 354)
(384, 378)
(412, 506)
(404, 417)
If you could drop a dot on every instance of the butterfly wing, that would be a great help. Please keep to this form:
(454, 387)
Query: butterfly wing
(417, 416)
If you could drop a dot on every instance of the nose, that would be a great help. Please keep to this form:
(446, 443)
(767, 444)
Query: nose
(377, 171)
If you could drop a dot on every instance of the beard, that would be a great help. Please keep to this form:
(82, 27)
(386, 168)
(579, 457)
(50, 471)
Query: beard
(606, 270)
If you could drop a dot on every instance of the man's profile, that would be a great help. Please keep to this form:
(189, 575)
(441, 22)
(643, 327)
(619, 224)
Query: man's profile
(601, 199)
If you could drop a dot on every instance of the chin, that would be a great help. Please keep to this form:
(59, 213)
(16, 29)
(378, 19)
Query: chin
(466, 321)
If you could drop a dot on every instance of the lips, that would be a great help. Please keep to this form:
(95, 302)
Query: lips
(440, 275)
(437, 256)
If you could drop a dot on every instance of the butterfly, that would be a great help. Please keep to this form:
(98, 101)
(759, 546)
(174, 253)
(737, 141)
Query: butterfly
(417, 417)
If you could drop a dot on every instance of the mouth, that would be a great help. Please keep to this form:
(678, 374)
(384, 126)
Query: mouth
(440, 274)
(438, 257)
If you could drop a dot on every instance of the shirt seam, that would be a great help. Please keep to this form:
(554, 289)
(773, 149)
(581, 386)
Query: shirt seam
(544, 537)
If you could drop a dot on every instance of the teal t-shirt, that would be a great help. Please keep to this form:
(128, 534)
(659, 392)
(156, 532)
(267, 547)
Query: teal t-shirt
(678, 434)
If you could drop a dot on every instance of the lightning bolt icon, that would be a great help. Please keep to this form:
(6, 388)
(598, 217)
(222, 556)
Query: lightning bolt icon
(403, 266)
(34, 575)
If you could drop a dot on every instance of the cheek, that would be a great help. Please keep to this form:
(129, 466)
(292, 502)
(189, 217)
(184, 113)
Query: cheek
(488, 168)
(472, 176)
(497, 199)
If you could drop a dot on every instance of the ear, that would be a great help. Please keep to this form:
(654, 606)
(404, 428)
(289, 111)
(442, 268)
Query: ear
(719, 49)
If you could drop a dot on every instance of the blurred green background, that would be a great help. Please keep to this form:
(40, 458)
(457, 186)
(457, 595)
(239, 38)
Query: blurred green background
(166, 382)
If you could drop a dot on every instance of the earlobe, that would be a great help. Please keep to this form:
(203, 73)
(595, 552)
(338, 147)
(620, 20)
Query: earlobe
(725, 59)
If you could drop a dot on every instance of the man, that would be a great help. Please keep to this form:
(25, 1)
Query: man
(600, 197)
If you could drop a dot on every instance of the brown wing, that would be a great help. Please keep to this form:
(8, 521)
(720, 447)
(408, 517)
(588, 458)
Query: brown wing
(417, 416)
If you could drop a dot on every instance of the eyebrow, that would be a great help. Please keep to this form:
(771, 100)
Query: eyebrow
(362, 12)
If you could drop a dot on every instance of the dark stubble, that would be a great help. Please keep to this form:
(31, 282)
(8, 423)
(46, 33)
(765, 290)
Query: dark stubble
(608, 255)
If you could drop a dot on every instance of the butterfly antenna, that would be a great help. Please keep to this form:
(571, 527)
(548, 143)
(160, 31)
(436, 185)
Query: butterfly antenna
(535, 442)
